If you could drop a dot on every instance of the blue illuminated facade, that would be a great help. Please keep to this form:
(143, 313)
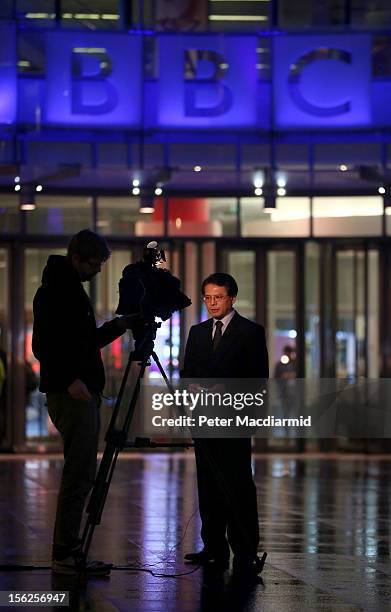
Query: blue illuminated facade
(207, 81)
(260, 139)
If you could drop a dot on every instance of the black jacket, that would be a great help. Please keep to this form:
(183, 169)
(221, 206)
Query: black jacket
(241, 353)
(66, 340)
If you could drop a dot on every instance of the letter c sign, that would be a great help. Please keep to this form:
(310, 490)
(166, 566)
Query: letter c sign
(321, 81)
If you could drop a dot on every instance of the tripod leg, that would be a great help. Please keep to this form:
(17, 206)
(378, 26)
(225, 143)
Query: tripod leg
(162, 372)
(116, 440)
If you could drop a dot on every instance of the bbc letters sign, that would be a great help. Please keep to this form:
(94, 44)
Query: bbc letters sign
(321, 81)
(94, 80)
(207, 81)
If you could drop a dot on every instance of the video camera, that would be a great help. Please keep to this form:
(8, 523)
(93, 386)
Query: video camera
(147, 291)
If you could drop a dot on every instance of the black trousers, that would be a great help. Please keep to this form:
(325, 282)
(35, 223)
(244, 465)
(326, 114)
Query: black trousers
(78, 423)
(227, 496)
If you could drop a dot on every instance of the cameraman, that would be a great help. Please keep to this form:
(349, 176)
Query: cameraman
(67, 343)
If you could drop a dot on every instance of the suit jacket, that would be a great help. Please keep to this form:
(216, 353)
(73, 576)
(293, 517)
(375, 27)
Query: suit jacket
(241, 353)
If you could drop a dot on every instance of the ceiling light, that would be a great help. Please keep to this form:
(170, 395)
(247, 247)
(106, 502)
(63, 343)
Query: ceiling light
(258, 191)
(281, 191)
(343, 167)
(258, 178)
(136, 191)
(270, 204)
(136, 182)
(26, 206)
(17, 179)
(17, 187)
(27, 198)
(197, 168)
(381, 190)
(158, 191)
(38, 188)
(147, 204)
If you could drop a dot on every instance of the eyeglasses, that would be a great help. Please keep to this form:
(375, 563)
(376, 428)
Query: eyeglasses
(210, 298)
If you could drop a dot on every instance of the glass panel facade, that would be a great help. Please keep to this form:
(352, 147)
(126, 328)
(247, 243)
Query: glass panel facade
(241, 265)
(59, 215)
(236, 16)
(122, 217)
(180, 15)
(291, 217)
(345, 339)
(347, 216)
(115, 355)
(388, 221)
(38, 424)
(373, 340)
(370, 14)
(9, 214)
(281, 309)
(202, 217)
(4, 344)
(312, 310)
(309, 13)
(40, 13)
(97, 15)
(357, 337)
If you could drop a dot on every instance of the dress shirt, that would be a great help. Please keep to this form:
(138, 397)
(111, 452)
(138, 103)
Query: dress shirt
(225, 320)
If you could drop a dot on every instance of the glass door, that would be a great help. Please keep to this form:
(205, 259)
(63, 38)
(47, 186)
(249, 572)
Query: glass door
(5, 387)
(38, 426)
(357, 313)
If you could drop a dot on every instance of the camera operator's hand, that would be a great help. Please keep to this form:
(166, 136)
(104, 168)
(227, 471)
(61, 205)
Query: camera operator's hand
(78, 391)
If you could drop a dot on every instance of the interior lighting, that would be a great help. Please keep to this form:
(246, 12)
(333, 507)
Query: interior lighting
(238, 17)
(281, 181)
(147, 205)
(27, 198)
(270, 204)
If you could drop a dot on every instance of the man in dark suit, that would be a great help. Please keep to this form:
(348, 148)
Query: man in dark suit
(226, 346)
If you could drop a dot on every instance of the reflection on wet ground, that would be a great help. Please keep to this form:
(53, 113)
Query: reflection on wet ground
(324, 522)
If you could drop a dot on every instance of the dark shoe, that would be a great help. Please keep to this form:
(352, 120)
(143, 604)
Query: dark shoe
(205, 557)
(76, 564)
(245, 566)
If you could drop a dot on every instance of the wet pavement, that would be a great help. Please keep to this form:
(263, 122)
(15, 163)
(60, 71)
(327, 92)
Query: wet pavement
(325, 522)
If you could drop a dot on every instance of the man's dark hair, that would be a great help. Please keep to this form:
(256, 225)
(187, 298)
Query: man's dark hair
(222, 280)
(87, 244)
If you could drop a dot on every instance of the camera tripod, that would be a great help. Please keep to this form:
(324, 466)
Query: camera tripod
(117, 432)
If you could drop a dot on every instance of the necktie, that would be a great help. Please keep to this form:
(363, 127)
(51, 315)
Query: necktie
(217, 335)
